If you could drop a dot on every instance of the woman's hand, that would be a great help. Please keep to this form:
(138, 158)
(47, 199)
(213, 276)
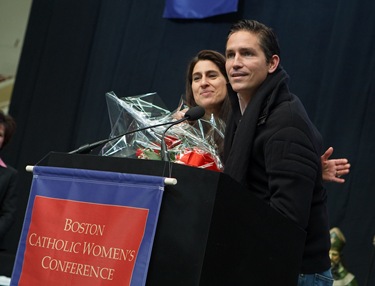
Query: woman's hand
(334, 169)
(180, 114)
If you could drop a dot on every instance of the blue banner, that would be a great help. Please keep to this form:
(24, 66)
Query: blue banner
(86, 227)
(198, 9)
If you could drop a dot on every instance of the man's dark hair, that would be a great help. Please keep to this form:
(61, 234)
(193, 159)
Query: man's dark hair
(267, 38)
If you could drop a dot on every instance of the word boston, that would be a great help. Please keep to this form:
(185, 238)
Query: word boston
(87, 228)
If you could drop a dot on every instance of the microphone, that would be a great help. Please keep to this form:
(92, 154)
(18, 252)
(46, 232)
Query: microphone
(193, 113)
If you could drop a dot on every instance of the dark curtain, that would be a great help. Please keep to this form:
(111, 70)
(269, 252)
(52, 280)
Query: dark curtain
(76, 51)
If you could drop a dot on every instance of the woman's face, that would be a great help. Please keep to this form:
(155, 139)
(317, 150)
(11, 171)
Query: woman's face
(2, 134)
(209, 86)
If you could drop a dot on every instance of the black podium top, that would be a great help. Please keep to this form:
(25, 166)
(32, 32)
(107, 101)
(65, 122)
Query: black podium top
(211, 231)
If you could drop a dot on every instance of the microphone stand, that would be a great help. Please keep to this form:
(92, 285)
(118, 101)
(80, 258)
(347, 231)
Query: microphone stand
(84, 149)
(193, 113)
(163, 146)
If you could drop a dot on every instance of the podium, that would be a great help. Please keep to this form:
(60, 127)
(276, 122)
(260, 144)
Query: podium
(211, 231)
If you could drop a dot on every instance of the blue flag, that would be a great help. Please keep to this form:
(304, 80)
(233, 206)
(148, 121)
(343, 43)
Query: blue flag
(198, 9)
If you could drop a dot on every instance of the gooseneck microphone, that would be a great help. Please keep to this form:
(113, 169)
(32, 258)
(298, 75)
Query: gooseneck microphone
(193, 113)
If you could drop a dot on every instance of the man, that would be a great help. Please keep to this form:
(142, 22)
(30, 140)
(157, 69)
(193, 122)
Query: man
(271, 146)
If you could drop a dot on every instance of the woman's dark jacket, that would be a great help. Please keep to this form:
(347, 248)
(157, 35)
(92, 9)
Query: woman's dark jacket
(8, 199)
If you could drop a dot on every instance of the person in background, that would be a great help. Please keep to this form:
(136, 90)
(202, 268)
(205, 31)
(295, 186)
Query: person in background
(207, 86)
(341, 275)
(8, 175)
(271, 146)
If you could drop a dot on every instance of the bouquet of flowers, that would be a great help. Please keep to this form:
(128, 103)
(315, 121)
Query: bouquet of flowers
(195, 144)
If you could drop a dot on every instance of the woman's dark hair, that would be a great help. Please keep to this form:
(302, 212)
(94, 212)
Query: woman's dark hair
(219, 60)
(9, 125)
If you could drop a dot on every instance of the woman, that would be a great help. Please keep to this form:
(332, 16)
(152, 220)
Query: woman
(206, 86)
(8, 174)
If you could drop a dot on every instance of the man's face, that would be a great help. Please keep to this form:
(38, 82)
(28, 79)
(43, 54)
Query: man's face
(246, 63)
